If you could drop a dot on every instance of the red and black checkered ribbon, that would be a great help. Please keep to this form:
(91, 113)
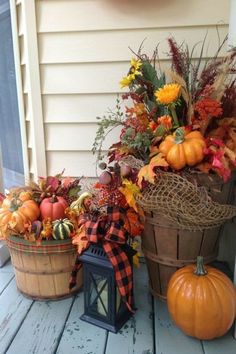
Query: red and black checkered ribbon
(109, 230)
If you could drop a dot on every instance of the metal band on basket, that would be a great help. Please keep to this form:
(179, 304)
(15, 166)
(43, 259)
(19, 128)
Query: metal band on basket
(176, 262)
(46, 247)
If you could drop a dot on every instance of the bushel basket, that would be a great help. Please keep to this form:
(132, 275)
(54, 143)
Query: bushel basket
(168, 248)
(43, 271)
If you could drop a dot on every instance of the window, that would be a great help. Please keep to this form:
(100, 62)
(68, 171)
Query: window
(10, 136)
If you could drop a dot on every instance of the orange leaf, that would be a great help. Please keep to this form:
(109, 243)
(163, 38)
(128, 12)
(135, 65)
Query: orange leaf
(147, 171)
(153, 151)
(132, 223)
(147, 174)
(80, 240)
(67, 181)
(129, 190)
(158, 161)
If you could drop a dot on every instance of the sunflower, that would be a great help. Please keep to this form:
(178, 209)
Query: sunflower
(168, 94)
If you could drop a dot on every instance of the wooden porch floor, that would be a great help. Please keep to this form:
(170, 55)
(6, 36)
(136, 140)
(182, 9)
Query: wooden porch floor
(30, 327)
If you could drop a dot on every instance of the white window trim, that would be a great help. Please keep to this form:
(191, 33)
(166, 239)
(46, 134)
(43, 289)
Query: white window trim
(19, 86)
(34, 89)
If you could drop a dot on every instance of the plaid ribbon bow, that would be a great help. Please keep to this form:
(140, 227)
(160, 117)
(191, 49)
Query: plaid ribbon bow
(109, 229)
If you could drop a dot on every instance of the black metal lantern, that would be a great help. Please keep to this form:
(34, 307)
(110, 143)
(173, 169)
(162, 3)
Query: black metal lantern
(103, 305)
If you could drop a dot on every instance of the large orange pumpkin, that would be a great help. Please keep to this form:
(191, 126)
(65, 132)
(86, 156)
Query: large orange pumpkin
(17, 197)
(201, 301)
(183, 148)
(53, 208)
(15, 214)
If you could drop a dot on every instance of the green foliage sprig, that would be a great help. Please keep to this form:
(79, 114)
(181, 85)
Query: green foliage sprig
(105, 125)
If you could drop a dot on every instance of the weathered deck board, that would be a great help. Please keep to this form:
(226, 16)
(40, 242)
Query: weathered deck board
(169, 339)
(13, 309)
(226, 345)
(7, 268)
(5, 279)
(80, 337)
(4, 252)
(136, 336)
(42, 328)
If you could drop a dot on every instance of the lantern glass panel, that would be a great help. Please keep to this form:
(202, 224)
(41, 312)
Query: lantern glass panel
(98, 294)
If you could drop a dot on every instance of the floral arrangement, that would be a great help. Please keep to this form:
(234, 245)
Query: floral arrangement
(107, 212)
(40, 211)
(181, 119)
(176, 122)
(52, 209)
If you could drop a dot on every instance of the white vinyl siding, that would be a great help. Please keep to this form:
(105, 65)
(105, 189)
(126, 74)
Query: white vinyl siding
(83, 51)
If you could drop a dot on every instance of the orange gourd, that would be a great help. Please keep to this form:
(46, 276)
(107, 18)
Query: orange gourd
(201, 301)
(25, 195)
(183, 148)
(15, 214)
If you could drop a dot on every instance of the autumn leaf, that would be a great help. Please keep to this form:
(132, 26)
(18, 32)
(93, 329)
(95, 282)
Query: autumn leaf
(52, 183)
(80, 240)
(133, 225)
(147, 171)
(204, 167)
(153, 151)
(67, 181)
(130, 190)
(147, 174)
(158, 161)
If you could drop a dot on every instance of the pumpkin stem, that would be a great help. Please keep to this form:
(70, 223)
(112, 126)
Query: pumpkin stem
(14, 205)
(179, 136)
(54, 198)
(200, 270)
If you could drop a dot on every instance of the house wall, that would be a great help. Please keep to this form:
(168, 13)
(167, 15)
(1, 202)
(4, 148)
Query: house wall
(72, 54)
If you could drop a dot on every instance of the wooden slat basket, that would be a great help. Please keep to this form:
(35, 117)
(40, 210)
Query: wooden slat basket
(167, 249)
(43, 272)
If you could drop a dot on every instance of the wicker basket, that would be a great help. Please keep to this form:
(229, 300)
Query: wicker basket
(43, 272)
(167, 249)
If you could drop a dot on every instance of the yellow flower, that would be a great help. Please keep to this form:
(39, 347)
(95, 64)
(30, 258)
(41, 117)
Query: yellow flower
(135, 65)
(134, 71)
(127, 80)
(168, 94)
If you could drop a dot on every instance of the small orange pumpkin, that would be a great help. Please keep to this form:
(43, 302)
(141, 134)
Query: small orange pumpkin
(183, 148)
(201, 301)
(15, 214)
(12, 220)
